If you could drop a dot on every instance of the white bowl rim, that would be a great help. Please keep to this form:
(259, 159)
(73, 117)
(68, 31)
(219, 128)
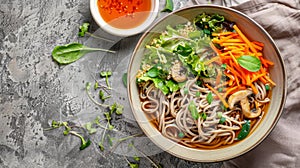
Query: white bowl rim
(209, 152)
(124, 32)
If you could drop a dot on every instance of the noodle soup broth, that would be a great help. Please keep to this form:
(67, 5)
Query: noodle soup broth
(205, 83)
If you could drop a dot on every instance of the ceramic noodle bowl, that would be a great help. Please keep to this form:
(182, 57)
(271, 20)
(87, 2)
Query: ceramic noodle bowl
(253, 31)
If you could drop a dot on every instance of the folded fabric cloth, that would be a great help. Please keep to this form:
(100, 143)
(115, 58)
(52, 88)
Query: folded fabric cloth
(281, 19)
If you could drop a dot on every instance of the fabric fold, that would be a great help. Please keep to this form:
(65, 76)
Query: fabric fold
(281, 19)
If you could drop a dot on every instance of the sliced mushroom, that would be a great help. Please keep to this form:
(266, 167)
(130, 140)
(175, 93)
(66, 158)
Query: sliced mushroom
(178, 72)
(247, 111)
(237, 97)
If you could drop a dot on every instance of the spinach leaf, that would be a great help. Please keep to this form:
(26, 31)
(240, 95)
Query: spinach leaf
(69, 53)
(251, 63)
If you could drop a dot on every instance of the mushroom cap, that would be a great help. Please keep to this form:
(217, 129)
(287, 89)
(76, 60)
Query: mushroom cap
(237, 97)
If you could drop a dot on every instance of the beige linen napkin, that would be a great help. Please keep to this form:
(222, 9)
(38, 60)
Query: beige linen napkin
(281, 19)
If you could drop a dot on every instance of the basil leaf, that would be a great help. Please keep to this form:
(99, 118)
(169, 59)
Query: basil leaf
(251, 63)
(69, 53)
(193, 110)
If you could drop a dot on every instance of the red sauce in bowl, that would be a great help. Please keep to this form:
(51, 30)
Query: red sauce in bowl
(124, 14)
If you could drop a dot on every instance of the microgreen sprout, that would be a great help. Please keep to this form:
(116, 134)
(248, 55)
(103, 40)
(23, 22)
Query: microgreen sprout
(84, 29)
(84, 143)
(87, 89)
(106, 74)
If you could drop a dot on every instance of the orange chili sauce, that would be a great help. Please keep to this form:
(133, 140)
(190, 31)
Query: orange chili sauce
(124, 14)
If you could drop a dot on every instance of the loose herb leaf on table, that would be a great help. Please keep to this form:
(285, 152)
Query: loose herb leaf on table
(83, 29)
(69, 53)
(169, 6)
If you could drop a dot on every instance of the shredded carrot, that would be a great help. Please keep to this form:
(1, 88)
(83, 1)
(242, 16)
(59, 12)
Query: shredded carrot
(218, 94)
(244, 38)
(229, 91)
(219, 76)
(269, 80)
(259, 48)
(213, 59)
(256, 77)
(214, 48)
(254, 89)
(231, 41)
(233, 58)
(258, 43)
(236, 44)
(221, 34)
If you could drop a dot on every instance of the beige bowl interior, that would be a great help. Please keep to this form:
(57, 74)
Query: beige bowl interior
(252, 30)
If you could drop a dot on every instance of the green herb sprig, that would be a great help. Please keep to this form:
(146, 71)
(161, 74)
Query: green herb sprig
(69, 53)
(84, 29)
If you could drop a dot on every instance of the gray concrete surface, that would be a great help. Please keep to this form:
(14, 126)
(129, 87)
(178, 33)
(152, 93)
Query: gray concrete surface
(34, 90)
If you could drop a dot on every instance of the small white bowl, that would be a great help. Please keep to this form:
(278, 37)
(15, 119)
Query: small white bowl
(124, 32)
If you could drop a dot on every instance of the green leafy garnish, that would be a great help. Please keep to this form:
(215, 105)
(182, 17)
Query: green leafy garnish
(69, 53)
(209, 98)
(101, 146)
(153, 72)
(168, 6)
(244, 131)
(106, 75)
(198, 94)
(83, 29)
(84, 143)
(124, 79)
(184, 50)
(56, 124)
(267, 86)
(110, 140)
(133, 165)
(193, 110)
(117, 108)
(96, 85)
(181, 135)
(90, 129)
(102, 96)
(250, 63)
(203, 115)
(209, 23)
(222, 120)
(185, 91)
(136, 158)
